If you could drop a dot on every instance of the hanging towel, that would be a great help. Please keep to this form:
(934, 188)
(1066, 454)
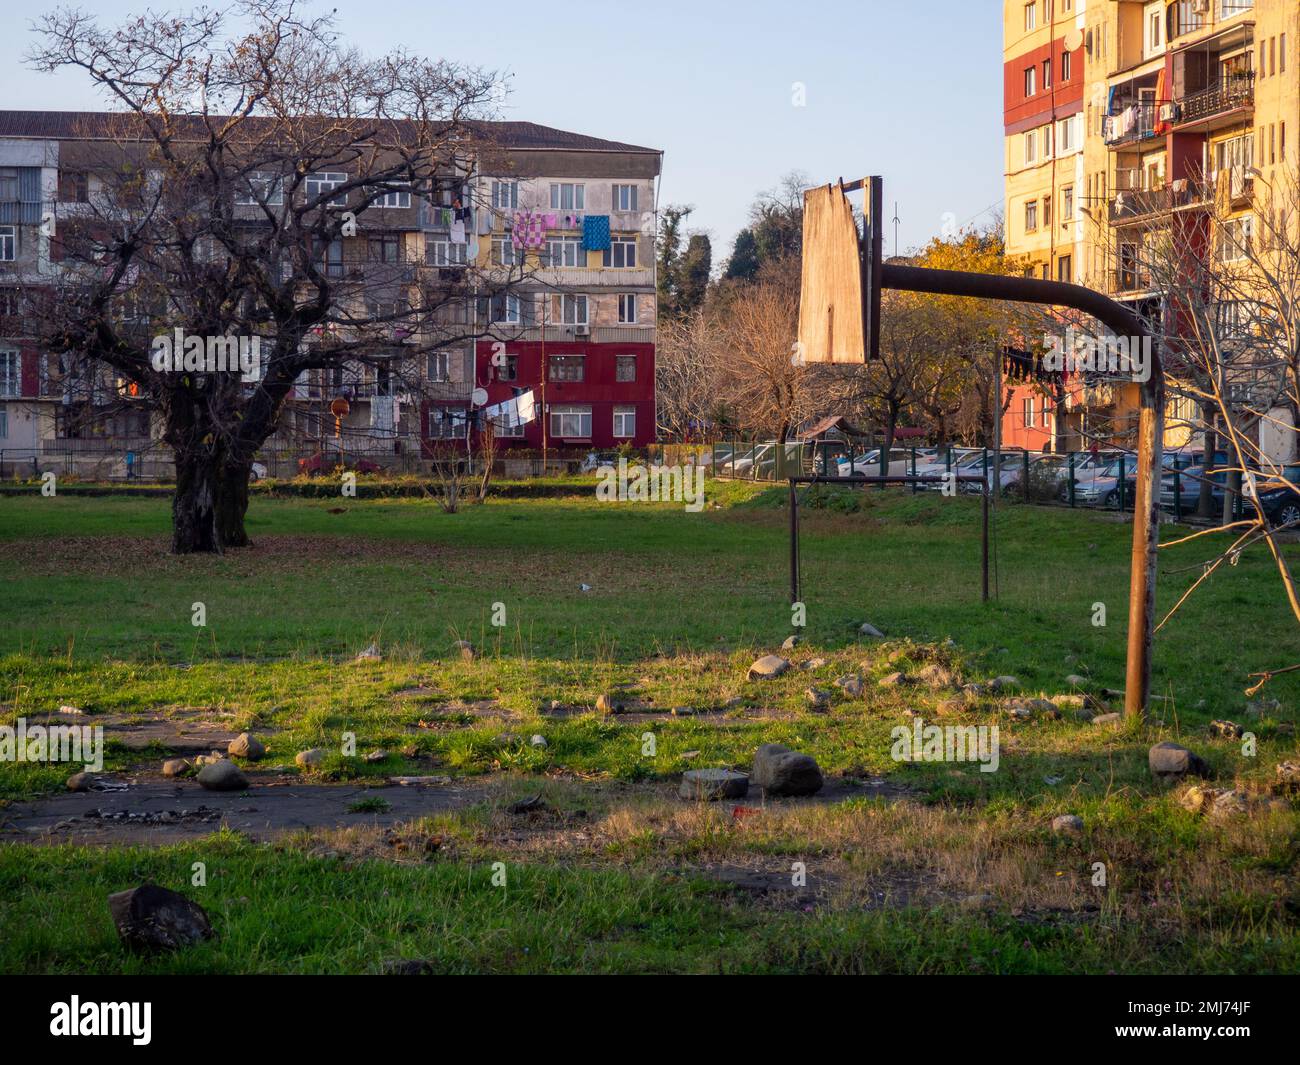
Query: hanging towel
(458, 232)
(595, 232)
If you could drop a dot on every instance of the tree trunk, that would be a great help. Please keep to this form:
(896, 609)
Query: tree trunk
(232, 504)
(194, 506)
(1205, 501)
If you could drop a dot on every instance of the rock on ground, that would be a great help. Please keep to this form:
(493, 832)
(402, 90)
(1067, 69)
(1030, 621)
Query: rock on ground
(791, 642)
(311, 757)
(937, 676)
(818, 699)
(222, 776)
(869, 630)
(850, 685)
(1169, 761)
(607, 704)
(713, 784)
(1228, 729)
(1288, 777)
(1067, 824)
(1107, 719)
(466, 649)
(151, 918)
(767, 667)
(175, 767)
(247, 746)
(894, 680)
(781, 771)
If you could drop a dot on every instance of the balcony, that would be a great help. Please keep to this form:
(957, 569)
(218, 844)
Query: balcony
(1136, 122)
(1136, 205)
(1226, 96)
(25, 213)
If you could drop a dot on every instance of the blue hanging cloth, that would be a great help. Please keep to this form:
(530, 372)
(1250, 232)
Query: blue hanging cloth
(595, 232)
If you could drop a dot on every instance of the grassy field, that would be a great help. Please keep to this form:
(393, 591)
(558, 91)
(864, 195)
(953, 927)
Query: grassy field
(952, 870)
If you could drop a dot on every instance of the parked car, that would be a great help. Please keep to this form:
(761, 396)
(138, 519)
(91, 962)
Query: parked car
(897, 464)
(1099, 486)
(322, 463)
(1087, 469)
(1279, 497)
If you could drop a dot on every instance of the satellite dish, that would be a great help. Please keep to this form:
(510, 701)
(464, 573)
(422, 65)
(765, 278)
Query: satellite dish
(1074, 40)
(479, 397)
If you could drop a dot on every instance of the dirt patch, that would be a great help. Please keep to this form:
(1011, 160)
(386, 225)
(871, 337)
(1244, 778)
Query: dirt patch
(155, 813)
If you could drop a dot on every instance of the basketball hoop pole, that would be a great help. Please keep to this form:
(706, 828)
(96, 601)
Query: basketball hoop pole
(1146, 505)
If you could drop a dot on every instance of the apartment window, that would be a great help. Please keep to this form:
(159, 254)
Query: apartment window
(384, 249)
(1272, 143)
(1031, 80)
(1154, 35)
(573, 310)
(625, 198)
(624, 368)
(1031, 216)
(1234, 236)
(504, 252)
(10, 372)
(318, 184)
(4, 424)
(1067, 204)
(503, 308)
(627, 309)
(566, 368)
(1047, 210)
(1031, 16)
(8, 243)
(439, 368)
(1281, 141)
(263, 188)
(508, 368)
(571, 422)
(505, 195)
(1031, 147)
(1047, 73)
(568, 197)
(397, 198)
(331, 259)
(1263, 59)
(1027, 411)
(444, 424)
(566, 251)
(1272, 56)
(74, 186)
(1281, 54)
(1065, 268)
(445, 253)
(625, 422)
(620, 253)
(1067, 65)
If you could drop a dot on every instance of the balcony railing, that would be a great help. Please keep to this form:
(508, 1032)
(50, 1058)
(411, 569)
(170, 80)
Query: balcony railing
(1229, 93)
(1131, 205)
(1134, 123)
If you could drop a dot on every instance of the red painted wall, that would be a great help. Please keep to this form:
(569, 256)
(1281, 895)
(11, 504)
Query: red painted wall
(1065, 97)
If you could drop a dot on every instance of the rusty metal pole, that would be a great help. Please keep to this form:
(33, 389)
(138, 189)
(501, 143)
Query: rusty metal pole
(1146, 513)
(984, 546)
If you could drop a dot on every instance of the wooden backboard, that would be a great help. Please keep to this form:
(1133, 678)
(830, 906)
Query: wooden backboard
(839, 299)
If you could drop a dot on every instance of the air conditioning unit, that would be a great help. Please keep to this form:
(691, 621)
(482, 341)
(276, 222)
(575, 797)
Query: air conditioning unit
(582, 330)
(1200, 7)
(1169, 112)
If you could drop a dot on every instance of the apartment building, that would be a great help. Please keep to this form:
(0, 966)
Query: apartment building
(552, 301)
(1188, 106)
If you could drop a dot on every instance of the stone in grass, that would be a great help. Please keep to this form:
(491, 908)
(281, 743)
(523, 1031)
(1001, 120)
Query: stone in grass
(870, 631)
(937, 676)
(710, 785)
(176, 767)
(370, 654)
(607, 704)
(222, 776)
(767, 667)
(1107, 719)
(81, 781)
(781, 771)
(377, 755)
(310, 758)
(850, 685)
(791, 642)
(1067, 824)
(1288, 778)
(1169, 761)
(1029, 708)
(246, 746)
(998, 684)
(894, 680)
(466, 649)
(818, 698)
(1076, 681)
(150, 918)
(812, 664)
(1228, 729)
(539, 740)
(71, 711)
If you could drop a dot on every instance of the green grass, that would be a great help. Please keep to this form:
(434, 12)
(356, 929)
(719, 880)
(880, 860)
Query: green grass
(94, 612)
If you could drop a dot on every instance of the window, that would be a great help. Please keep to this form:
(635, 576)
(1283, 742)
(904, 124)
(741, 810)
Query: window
(1031, 80)
(566, 368)
(445, 253)
(1065, 141)
(504, 252)
(508, 368)
(1281, 54)
(74, 186)
(573, 422)
(384, 249)
(505, 195)
(1047, 73)
(1031, 147)
(568, 197)
(1154, 35)
(627, 309)
(1031, 215)
(263, 188)
(439, 369)
(1067, 65)
(573, 310)
(446, 424)
(331, 259)
(1031, 16)
(10, 372)
(1065, 268)
(1234, 238)
(504, 308)
(624, 368)
(4, 424)
(620, 253)
(8, 243)
(1027, 411)
(625, 422)
(394, 198)
(319, 184)
(1067, 204)
(625, 198)
(1047, 210)
(565, 251)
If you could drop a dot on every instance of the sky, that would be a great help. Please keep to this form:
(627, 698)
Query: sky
(736, 94)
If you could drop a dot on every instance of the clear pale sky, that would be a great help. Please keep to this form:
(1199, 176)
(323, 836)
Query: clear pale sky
(909, 90)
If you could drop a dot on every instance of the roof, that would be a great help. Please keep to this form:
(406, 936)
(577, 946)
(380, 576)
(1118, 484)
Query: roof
(837, 421)
(88, 125)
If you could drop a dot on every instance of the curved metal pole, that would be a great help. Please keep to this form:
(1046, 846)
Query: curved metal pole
(1146, 505)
